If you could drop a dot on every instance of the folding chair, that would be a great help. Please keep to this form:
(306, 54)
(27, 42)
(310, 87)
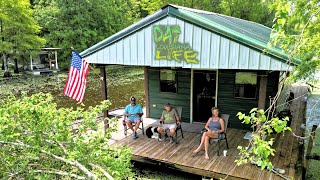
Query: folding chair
(225, 117)
(133, 125)
(179, 111)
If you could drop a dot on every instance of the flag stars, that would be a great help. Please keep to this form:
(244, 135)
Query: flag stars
(76, 61)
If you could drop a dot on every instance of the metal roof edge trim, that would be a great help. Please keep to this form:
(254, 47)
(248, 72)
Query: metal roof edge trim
(126, 31)
(215, 27)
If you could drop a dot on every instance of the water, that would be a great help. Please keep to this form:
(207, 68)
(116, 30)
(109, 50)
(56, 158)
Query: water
(123, 82)
(313, 118)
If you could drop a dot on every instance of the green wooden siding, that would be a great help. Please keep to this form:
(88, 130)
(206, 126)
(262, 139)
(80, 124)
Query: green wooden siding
(230, 105)
(226, 101)
(159, 99)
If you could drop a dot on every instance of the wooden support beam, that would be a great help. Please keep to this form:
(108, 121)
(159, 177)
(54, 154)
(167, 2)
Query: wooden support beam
(263, 92)
(104, 94)
(146, 91)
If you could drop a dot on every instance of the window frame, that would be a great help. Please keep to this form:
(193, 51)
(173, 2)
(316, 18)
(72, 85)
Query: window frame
(235, 84)
(175, 77)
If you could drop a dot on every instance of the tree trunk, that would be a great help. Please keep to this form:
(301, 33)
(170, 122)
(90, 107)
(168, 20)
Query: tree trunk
(7, 73)
(2, 67)
(16, 68)
(5, 62)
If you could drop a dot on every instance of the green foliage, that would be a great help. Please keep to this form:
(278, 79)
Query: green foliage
(260, 146)
(40, 141)
(296, 30)
(236, 8)
(79, 23)
(19, 32)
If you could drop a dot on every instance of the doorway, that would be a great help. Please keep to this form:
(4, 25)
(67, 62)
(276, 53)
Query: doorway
(204, 94)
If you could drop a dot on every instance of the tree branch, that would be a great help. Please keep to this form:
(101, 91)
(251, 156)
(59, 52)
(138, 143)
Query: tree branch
(61, 173)
(105, 173)
(89, 174)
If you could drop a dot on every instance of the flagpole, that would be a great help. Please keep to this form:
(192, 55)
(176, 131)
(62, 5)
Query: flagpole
(103, 91)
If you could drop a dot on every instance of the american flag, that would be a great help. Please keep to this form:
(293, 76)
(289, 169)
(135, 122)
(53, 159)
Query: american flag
(76, 82)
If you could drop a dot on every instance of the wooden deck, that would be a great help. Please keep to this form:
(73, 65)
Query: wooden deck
(179, 156)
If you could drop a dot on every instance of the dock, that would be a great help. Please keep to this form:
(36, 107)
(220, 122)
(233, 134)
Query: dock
(289, 149)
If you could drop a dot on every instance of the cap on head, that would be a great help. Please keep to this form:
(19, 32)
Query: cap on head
(167, 105)
(132, 99)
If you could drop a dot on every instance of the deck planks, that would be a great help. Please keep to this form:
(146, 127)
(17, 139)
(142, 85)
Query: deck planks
(179, 155)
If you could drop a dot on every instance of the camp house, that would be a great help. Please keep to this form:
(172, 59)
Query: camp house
(197, 59)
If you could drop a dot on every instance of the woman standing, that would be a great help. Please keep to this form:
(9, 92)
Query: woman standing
(214, 127)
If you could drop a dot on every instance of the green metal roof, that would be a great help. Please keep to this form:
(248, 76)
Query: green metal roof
(249, 33)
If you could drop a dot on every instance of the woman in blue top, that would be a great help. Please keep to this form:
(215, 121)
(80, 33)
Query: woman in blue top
(215, 127)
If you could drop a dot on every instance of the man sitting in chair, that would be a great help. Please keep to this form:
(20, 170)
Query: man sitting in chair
(133, 113)
(169, 120)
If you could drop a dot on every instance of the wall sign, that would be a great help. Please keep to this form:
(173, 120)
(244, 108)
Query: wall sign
(168, 47)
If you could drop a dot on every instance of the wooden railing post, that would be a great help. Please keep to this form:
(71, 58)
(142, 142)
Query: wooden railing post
(104, 94)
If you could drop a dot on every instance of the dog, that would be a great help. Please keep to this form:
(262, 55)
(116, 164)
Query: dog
(152, 132)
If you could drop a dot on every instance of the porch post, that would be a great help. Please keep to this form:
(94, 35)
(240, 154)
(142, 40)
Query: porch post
(104, 93)
(263, 92)
(146, 91)
(56, 58)
(191, 96)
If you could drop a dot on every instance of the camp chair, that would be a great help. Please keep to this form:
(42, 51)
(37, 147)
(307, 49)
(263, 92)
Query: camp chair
(179, 111)
(141, 127)
(225, 117)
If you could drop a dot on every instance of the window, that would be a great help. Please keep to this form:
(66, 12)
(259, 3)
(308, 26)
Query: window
(168, 81)
(245, 85)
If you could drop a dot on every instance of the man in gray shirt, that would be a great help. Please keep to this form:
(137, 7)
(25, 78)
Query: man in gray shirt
(169, 120)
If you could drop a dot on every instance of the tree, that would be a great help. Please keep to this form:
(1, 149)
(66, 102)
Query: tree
(296, 30)
(79, 23)
(252, 10)
(40, 141)
(18, 29)
(236, 8)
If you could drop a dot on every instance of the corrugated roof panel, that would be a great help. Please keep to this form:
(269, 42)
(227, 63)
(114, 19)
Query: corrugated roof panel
(214, 51)
(234, 55)
(224, 53)
(204, 54)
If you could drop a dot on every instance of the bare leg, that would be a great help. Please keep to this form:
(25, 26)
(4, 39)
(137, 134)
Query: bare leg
(137, 125)
(206, 144)
(161, 131)
(201, 143)
(172, 131)
(130, 125)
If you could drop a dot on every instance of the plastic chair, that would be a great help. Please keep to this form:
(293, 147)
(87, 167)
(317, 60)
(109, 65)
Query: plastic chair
(124, 122)
(225, 117)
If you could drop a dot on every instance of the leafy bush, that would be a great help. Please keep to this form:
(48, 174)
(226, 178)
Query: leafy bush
(40, 141)
(260, 148)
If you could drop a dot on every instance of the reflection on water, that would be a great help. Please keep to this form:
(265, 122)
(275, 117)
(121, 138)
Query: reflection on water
(122, 82)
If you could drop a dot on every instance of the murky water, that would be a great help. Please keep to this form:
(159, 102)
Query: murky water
(313, 118)
(123, 82)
